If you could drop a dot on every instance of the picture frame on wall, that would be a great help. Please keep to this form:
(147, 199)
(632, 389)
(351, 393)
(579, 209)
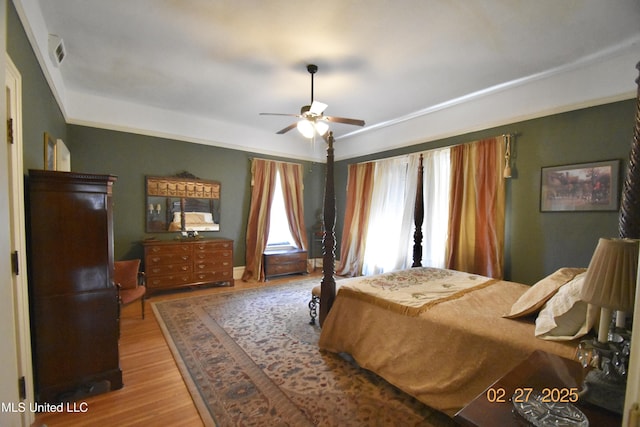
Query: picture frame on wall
(49, 152)
(63, 157)
(580, 187)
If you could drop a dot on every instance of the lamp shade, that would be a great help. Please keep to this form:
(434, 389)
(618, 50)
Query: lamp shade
(610, 281)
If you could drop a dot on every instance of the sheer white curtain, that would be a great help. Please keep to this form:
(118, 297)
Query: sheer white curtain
(389, 235)
(384, 247)
(437, 171)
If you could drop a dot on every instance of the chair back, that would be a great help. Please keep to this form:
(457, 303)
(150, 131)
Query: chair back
(126, 273)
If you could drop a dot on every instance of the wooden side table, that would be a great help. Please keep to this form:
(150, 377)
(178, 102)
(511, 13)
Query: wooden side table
(541, 370)
(281, 262)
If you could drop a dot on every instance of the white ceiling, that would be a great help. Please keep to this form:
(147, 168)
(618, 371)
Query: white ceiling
(414, 70)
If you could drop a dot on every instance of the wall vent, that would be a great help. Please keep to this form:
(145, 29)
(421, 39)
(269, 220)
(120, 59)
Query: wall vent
(56, 49)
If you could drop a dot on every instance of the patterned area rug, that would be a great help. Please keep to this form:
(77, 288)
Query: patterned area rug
(251, 358)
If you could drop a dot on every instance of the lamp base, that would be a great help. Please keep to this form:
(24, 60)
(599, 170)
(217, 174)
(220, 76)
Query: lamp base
(604, 391)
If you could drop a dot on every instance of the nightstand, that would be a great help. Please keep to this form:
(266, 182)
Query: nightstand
(562, 377)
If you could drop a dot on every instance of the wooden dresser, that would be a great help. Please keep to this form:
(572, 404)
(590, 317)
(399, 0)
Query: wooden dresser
(281, 262)
(176, 263)
(73, 301)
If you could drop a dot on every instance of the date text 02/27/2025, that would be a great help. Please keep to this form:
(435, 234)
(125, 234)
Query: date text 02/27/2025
(523, 394)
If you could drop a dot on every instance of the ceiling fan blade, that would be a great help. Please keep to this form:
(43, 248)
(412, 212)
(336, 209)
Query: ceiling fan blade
(317, 107)
(355, 122)
(287, 129)
(280, 114)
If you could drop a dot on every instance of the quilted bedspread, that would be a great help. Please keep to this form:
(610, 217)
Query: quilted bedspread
(443, 346)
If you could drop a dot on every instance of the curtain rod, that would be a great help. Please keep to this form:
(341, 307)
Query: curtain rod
(399, 156)
(276, 161)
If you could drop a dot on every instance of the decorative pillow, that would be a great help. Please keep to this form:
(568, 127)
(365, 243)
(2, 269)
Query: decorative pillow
(535, 297)
(565, 317)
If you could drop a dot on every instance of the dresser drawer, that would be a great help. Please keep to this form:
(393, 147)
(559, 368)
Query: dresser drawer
(287, 268)
(162, 269)
(213, 276)
(168, 249)
(224, 254)
(212, 246)
(286, 258)
(164, 259)
(168, 281)
(213, 264)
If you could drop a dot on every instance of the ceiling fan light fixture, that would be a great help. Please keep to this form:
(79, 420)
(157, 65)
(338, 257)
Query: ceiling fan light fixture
(306, 128)
(322, 127)
(312, 118)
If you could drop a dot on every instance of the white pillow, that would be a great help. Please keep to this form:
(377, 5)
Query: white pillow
(565, 317)
(534, 298)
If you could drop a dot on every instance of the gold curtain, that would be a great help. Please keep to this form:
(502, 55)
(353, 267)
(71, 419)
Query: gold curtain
(263, 177)
(477, 208)
(359, 190)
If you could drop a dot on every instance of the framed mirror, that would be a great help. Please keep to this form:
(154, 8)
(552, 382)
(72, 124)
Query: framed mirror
(182, 203)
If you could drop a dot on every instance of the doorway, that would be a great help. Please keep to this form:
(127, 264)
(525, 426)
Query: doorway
(19, 287)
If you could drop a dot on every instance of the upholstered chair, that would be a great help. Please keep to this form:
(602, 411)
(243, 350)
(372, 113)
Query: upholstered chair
(130, 282)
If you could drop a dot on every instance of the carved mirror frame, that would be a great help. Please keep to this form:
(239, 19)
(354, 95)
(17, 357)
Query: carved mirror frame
(181, 203)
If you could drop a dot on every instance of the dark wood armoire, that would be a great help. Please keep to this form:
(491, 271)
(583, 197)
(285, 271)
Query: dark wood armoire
(73, 301)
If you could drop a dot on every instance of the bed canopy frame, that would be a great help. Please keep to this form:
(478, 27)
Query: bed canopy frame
(328, 284)
(628, 224)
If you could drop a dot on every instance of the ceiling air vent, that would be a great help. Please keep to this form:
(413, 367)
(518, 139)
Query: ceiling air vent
(56, 49)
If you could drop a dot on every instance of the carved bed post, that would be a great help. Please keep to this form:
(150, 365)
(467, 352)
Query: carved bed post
(418, 217)
(328, 284)
(629, 222)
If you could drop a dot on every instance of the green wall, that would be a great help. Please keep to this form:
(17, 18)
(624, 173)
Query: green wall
(537, 243)
(40, 110)
(131, 157)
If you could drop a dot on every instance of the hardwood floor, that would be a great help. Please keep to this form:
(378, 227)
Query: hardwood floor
(154, 392)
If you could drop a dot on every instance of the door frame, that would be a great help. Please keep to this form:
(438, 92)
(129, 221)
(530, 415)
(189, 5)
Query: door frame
(15, 167)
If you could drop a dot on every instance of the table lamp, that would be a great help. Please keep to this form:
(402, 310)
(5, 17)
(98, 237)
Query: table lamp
(610, 284)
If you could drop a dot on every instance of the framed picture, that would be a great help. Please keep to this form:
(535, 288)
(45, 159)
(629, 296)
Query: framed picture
(63, 157)
(580, 187)
(49, 152)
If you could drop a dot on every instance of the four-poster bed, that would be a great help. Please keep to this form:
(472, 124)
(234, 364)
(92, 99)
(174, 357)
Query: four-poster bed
(453, 320)
(444, 350)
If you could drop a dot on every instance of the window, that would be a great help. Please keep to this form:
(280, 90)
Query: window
(279, 231)
(392, 208)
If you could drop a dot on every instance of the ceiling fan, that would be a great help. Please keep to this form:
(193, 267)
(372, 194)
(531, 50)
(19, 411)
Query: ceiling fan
(312, 119)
